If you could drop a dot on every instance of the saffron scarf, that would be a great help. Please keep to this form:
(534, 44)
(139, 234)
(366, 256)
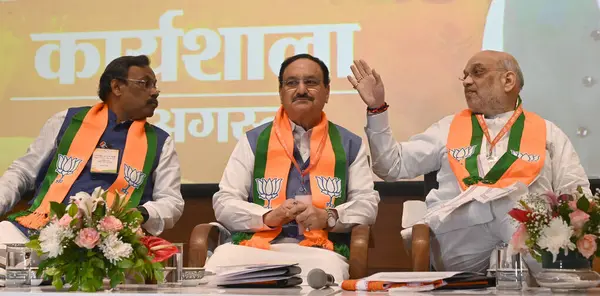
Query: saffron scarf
(273, 159)
(74, 151)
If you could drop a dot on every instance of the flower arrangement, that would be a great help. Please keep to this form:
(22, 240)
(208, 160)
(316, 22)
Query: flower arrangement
(550, 224)
(87, 241)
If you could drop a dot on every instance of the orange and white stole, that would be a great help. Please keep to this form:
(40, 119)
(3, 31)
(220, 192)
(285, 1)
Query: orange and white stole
(273, 159)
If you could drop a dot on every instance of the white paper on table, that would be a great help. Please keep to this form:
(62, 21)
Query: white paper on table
(411, 277)
(399, 291)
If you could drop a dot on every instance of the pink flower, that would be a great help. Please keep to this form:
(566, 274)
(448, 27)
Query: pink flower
(587, 245)
(578, 218)
(573, 205)
(110, 224)
(517, 243)
(65, 221)
(552, 198)
(87, 238)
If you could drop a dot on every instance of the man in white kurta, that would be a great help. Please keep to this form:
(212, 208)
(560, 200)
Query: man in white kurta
(492, 82)
(132, 96)
(304, 90)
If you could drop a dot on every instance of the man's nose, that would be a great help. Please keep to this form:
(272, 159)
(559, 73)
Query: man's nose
(155, 92)
(301, 88)
(467, 81)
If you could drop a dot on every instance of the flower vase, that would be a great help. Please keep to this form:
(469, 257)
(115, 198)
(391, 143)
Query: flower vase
(570, 271)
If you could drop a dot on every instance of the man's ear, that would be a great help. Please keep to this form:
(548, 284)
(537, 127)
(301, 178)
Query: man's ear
(116, 87)
(327, 91)
(510, 81)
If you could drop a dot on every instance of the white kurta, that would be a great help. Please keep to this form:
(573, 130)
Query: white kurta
(164, 210)
(472, 231)
(233, 210)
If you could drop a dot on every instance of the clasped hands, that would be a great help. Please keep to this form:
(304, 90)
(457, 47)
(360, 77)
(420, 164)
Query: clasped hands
(308, 216)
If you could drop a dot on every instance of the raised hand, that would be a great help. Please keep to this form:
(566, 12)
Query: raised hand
(368, 83)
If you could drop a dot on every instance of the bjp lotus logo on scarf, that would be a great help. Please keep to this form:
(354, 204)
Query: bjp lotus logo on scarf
(133, 177)
(525, 156)
(268, 189)
(66, 165)
(462, 153)
(330, 186)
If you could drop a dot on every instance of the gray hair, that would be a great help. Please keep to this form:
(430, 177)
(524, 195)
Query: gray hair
(512, 65)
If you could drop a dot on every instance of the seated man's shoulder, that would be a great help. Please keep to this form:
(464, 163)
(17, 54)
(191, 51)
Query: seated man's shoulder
(259, 129)
(160, 133)
(347, 135)
(72, 111)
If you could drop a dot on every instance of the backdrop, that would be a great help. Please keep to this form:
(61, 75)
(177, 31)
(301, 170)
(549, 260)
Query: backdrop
(217, 62)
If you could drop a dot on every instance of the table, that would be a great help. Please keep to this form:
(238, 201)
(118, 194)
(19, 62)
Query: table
(297, 291)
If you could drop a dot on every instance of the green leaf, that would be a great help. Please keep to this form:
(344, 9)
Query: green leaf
(34, 245)
(88, 286)
(96, 282)
(57, 209)
(57, 282)
(52, 271)
(70, 275)
(74, 223)
(139, 263)
(115, 206)
(159, 276)
(73, 209)
(117, 278)
(125, 263)
(583, 204)
(141, 250)
(97, 262)
(138, 278)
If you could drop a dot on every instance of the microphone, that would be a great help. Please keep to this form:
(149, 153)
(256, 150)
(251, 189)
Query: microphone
(318, 279)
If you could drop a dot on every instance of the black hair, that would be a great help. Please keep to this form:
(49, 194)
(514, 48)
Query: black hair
(292, 59)
(118, 69)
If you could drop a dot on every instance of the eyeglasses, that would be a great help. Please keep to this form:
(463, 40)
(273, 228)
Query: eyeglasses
(308, 82)
(148, 84)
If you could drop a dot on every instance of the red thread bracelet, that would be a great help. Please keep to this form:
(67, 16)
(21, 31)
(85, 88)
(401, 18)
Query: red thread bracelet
(379, 109)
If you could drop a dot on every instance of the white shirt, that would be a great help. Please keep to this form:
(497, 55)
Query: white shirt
(164, 211)
(233, 210)
(427, 152)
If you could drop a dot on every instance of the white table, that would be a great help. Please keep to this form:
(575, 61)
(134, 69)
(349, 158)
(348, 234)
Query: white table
(299, 291)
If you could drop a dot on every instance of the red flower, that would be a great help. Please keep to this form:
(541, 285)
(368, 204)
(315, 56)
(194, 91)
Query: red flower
(520, 215)
(158, 248)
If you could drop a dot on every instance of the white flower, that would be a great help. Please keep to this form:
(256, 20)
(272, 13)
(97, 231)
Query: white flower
(114, 249)
(51, 239)
(87, 203)
(537, 203)
(556, 235)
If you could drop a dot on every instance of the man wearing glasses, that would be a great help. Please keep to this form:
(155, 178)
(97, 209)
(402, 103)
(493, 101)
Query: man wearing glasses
(291, 183)
(109, 145)
(494, 143)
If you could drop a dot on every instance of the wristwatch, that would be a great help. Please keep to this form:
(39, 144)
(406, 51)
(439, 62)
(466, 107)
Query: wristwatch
(331, 219)
(144, 213)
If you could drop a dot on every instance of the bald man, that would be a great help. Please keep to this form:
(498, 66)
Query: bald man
(494, 143)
